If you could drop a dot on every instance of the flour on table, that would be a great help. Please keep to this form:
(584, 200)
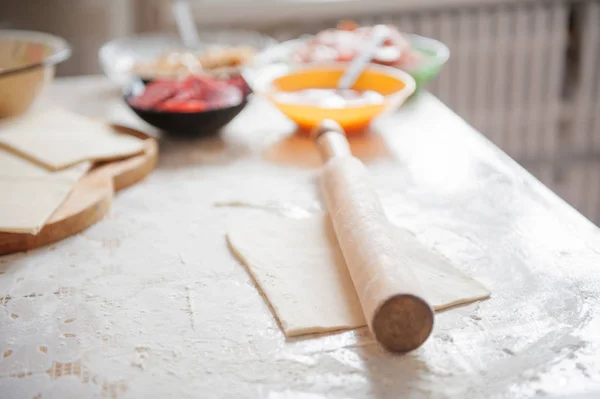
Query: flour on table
(276, 207)
(301, 270)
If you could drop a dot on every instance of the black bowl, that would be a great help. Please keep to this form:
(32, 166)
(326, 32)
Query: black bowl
(191, 124)
(188, 124)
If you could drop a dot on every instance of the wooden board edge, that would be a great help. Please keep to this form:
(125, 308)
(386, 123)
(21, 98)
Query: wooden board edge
(59, 230)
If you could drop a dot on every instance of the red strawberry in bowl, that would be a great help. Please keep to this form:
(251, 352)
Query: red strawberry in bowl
(194, 106)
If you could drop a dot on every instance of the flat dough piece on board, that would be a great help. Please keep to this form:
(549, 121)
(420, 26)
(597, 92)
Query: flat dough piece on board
(29, 193)
(301, 270)
(58, 139)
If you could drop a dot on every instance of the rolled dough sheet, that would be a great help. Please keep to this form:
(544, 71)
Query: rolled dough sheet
(301, 270)
(29, 193)
(58, 139)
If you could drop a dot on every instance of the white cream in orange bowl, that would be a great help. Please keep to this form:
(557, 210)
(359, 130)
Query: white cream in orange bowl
(27, 63)
(308, 95)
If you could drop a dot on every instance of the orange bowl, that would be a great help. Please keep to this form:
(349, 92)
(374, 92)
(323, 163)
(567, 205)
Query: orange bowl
(395, 86)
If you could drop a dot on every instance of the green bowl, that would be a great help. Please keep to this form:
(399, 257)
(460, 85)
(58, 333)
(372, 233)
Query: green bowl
(437, 54)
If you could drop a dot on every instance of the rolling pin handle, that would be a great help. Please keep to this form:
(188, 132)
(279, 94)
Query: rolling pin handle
(331, 140)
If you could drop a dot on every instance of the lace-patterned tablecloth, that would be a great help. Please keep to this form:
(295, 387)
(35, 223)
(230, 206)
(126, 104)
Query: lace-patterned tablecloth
(149, 302)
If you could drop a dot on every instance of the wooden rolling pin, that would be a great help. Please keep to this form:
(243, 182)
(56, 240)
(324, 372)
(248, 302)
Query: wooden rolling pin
(396, 312)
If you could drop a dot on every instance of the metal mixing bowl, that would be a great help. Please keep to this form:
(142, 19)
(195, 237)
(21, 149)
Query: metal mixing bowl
(27, 63)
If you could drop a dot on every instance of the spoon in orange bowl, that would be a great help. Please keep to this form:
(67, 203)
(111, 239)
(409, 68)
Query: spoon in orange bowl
(344, 95)
(378, 35)
(182, 12)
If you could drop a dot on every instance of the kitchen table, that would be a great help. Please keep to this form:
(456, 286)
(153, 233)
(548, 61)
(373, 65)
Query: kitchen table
(150, 302)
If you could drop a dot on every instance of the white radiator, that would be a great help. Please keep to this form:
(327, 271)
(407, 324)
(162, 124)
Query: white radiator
(584, 108)
(577, 171)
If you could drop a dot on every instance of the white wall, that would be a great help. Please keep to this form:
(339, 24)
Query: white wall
(86, 24)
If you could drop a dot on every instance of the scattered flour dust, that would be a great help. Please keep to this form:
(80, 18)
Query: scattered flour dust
(294, 395)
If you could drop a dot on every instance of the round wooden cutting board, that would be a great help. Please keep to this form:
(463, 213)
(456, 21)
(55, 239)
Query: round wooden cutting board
(90, 199)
